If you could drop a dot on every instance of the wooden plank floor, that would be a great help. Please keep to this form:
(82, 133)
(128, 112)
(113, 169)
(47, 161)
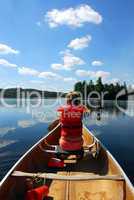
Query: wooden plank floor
(86, 190)
(96, 190)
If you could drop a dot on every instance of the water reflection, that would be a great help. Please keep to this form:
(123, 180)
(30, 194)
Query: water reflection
(26, 123)
(102, 116)
(5, 130)
(4, 143)
(20, 128)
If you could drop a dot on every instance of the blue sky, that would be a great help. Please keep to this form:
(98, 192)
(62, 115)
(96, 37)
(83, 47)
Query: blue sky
(52, 44)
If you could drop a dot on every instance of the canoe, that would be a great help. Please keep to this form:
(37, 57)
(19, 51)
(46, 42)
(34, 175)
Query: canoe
(97, 176)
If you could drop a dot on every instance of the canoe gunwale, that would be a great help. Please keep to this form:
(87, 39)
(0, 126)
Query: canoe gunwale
(25, 154)
(115, 161)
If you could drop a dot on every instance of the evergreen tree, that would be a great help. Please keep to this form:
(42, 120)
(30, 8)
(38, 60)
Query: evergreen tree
(78, 86)
(99, 85)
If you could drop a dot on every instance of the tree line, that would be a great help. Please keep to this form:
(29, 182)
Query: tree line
(111, 90)
(28, 93)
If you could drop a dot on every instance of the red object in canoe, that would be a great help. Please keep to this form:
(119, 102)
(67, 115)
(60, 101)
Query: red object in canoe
(54, 162)
(37, 193)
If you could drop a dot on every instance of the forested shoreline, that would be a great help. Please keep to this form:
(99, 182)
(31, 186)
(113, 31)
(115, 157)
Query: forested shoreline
(86, 88)
(28, 93)
(92, 88)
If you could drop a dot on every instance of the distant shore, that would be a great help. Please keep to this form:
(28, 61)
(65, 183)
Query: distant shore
(13, 93)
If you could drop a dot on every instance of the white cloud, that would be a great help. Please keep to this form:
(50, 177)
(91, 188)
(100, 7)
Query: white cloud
(36, 82)
(74, 17)
(27, 71)
(82, 73)
(97, 63)
(66, 51)
(49, 75)
(80, 43)
(34, 72)
(57, 66)
(5, 63)
(4, 49)
(92, 74)
(69, 79)
(69, 62)
(102, 74)
(114, 80)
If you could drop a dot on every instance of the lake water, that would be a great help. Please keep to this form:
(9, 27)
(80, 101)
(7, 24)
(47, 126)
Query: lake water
(23, 125)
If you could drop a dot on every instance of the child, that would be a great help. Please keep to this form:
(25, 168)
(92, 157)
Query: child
(71, 123)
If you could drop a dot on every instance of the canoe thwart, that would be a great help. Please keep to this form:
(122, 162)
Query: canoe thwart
(80, 177)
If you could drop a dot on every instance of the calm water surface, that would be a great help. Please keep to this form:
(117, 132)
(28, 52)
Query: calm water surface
(21, 127)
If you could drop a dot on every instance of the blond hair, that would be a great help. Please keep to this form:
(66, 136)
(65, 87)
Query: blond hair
(73, 98)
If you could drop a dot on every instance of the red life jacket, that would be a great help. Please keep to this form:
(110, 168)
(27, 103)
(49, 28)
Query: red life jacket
(71, 125)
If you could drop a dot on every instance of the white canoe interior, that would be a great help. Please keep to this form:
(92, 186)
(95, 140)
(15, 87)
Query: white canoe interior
(90, 178)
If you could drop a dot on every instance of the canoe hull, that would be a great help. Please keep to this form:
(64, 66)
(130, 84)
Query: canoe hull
(34, 160)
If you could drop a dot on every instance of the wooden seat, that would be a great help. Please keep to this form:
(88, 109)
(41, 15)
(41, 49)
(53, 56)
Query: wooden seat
(92, 149)
(63, 154)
